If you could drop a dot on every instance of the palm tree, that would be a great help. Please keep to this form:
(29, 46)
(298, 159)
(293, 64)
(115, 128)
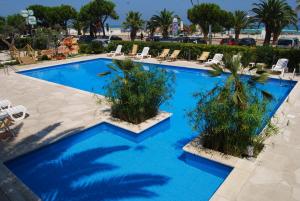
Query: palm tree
(269, 12)
(241, 21)
(134, 23)
(120, 67)
(289, 17)
(232, 111)
(164, 21)
(151, 26)
(234, 81)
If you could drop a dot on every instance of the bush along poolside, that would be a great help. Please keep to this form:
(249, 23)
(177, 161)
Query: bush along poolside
(190, 51)
(91, 48)
(136, 94)
(230, 115)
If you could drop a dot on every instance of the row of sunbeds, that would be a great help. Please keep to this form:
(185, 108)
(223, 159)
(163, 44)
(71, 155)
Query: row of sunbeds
(281, 65)
(165, 54)
(10, 114)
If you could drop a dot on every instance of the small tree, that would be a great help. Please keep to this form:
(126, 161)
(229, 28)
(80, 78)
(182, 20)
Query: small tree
(151, 26)
(137, 94)
(96, 13)
(241, 21)
(164, 21)
(12, 27)
(204, 15)
(133, 22)
(226, 20)
(230, 115)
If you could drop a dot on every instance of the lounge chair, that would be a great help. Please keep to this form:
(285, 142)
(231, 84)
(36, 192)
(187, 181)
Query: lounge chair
(217, 59)
(11, 114)
(133, 51)
(118, 52)
(174, 55)
(281, 65)
(143, 54)
(163, 54)
(16, 113)
(4, 104)
(203, 57)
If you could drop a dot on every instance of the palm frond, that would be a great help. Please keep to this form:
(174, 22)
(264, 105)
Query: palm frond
(104, 73)
(262, 78)
(217, 71)
(266, 95)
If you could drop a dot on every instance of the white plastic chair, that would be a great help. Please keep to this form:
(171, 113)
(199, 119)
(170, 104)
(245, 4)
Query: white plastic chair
(16, 113)
(118, 51)
(144, 54)
(4, 104)
(217, 59)
(281, 65)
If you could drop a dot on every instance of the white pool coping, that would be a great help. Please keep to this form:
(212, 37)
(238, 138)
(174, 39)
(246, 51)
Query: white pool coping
(232, 187)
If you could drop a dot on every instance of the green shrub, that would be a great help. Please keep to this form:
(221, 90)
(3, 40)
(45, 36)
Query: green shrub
(91, 48)
(135, 93)
(230, 116)
(190, 51)
(83, 48)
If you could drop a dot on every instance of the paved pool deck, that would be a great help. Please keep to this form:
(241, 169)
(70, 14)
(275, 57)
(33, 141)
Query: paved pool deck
(56, 111)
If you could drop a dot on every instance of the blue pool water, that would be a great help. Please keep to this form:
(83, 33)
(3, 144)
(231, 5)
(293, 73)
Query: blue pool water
(108, 163)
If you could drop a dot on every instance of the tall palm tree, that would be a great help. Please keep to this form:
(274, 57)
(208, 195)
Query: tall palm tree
(151, 26)
(269, 12)
(133, 22)
(289, 17)
(164, 21)
(241, 21)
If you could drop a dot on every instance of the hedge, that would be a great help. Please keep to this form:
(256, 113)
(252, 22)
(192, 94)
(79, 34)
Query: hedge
(190, 51)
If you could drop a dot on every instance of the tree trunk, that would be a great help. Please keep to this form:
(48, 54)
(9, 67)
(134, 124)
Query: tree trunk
(237, 33)
(205, 34)
(133, 35)
(165, 32)
(275, 38)
(268, 36)
(91, 30)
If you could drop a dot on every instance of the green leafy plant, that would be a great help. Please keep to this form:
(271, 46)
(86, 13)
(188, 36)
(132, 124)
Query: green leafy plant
(275, 15)
(133, 22)
(91, 48)
(163, 20)
(230, 115)
(136, 94)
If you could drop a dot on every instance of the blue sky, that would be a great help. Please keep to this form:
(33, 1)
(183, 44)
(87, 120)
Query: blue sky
(146, 7)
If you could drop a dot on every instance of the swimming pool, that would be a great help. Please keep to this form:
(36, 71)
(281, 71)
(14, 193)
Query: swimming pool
(108, 163)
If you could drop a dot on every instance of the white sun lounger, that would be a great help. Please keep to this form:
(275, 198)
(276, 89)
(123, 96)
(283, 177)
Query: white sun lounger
(281, 65)
(217, 59)
(5, 104)
(143, 54)
(16, 113)
(118, 52)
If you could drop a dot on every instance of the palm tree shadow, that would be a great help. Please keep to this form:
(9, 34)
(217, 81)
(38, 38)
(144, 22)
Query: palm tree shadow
(119, 187)
(61, 171)
(35, 140)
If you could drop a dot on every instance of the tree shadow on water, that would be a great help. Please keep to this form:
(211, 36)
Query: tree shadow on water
(120, 187)
(81, 176)
(52, 177)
